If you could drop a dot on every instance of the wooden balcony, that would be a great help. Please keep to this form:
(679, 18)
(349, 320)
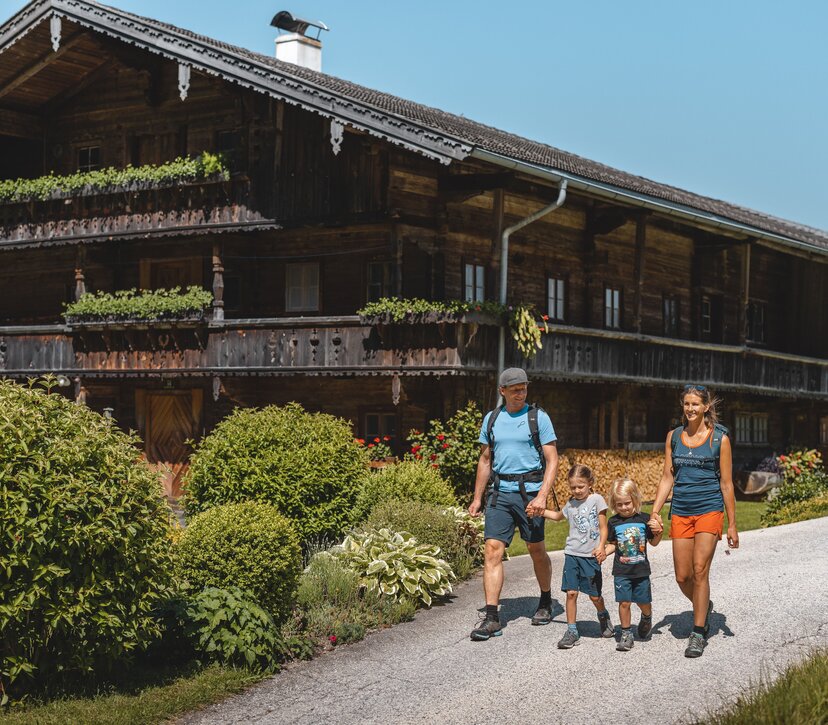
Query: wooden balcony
(197, 207)
(344, 346)
(581, 354)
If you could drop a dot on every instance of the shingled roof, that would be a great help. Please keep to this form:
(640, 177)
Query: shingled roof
(430, 131)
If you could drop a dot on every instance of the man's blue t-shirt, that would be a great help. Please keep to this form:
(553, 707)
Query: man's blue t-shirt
(514, 451)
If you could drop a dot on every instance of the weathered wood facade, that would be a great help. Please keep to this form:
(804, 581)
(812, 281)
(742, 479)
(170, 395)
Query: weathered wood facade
(657, 287)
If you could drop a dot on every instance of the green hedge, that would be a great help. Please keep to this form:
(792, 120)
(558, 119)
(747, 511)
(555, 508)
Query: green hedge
(812, 508)
(407, 480)
(305, 464)
(247, 545)
(85, 548)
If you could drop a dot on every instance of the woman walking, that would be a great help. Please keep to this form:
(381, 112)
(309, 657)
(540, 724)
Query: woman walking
(698, 470)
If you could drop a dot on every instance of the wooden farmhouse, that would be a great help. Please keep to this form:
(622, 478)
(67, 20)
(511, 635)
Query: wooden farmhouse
(339, 195)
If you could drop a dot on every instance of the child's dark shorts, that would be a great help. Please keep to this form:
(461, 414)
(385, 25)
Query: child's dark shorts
(509, 511)
(582, 574)
(633, 590)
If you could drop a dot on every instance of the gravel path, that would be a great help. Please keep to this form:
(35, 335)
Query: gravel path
(771, 601)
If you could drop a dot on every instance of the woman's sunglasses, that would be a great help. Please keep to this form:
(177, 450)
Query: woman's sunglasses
(691, 386)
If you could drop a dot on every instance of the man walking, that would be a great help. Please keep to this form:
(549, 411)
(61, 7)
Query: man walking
(518, 462)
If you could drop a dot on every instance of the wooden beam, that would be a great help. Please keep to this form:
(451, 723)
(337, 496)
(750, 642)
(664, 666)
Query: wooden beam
(68, 94)
(744, 293)
(497, 234)
(638, 267)
(44, 60)
(21, 125)
(588, 262)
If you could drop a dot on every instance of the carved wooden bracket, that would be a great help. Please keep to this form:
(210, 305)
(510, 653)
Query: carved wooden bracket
(337, 134)
(183, 80)
(55, 27)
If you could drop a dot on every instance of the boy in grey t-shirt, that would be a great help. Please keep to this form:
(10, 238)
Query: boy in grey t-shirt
(584, 552)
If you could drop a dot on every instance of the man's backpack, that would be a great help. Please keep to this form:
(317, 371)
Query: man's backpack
(719, 432)
(533, 431)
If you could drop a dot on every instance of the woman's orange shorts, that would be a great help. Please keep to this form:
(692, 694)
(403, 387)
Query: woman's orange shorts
(686, 527)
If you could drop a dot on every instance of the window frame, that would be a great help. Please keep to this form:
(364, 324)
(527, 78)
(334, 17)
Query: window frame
(753, 325)
(89, 165)
(561, 284)
(751, 429)
(823, 431)
(478, 283)
(388, 279)
(613, 317)
(671, 323)
(302, 307)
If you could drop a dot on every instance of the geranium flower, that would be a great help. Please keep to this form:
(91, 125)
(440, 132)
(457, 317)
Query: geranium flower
(440, 437)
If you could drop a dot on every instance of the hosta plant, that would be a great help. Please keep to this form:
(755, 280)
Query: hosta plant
(470, 529)
(394, 564)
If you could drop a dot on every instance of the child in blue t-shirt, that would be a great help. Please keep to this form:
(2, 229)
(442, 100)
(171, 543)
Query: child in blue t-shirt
(586, 512)
(629, 532)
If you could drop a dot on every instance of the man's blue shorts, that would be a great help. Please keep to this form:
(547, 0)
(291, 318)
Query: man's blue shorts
(633, 590)
(582, 574)
(508, 511)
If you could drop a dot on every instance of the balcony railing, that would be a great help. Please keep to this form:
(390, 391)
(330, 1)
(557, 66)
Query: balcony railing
(344, 346)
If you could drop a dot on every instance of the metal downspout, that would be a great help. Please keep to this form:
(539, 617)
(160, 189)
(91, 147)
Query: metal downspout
(504, 266)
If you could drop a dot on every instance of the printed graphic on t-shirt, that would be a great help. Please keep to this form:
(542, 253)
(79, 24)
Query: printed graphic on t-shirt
(587, 523)
(632, 542)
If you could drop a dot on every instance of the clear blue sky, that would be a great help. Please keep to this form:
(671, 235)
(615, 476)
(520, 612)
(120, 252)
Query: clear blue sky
(727, 98)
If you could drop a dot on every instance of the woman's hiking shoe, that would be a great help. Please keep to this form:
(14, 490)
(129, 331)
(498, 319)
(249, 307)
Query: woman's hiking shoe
(707, 619)
(487, 628)
(645, 626)
(569, 640)
(625, 644)
(607, 630)
(543, 615)
(695, 645)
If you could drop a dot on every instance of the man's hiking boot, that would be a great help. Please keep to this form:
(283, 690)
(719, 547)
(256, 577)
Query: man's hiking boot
(607, 630)
(707, 619)
(487, 628)
(569, 640)
(695, 645)
(543, 615)
(645, 626)
(625, 644)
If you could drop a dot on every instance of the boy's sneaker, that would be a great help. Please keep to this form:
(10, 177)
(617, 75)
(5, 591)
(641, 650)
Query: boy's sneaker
(707, 619)
(543, 615)
(607, 630)
(645, 626)
(486, 629)
(569, 640)
(695, 645)
(625, 644)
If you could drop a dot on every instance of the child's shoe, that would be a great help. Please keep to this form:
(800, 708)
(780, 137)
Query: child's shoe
(625, 644)
(645, 626)
(569, 640)
(607, 630)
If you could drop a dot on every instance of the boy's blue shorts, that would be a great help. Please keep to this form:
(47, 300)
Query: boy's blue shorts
(582, 574)
(510, 511)
(633, 590)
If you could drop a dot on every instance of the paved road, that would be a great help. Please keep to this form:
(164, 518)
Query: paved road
(771, 609)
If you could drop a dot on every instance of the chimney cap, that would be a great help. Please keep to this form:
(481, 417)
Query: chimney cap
(287, 22)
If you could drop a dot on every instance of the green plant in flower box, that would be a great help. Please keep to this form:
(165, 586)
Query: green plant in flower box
(144, 305)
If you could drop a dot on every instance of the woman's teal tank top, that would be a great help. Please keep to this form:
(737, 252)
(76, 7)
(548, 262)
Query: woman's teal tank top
(697, 488)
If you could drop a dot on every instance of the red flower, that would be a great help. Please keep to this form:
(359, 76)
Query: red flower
(418, 457)
(433, 457)
(332, 639)
(370, 445)
(416, 448)
(545, 318)
(445, 445)
(361, 441)
(440, 437)
(376, 440)
(434, 465)
(386, 438)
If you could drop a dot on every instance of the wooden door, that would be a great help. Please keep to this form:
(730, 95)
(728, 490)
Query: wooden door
(170, 419)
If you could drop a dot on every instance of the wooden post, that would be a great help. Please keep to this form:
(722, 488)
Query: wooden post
(80, 277)
(218, 283)
(588, 250)
(638, 267)
(497, 239)
(744, 293)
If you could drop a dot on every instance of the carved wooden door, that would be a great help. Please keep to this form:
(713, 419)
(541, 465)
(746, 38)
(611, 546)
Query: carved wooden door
(171, 419)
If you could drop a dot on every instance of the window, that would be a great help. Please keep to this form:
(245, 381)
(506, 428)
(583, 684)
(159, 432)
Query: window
(671, 317)
(706, 316)
(756, 322)
(302, 287)
(823, 431)
(89, 158)
(379, 425)
(474, 283)
(751, 429)
(380, 280)
(556, 299)
(227, 144)
(612, 308)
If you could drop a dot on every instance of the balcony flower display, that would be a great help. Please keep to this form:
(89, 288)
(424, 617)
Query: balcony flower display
(135, 306)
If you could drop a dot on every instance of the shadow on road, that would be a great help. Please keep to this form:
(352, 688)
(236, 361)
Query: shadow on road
(518, 607)
(680, 625)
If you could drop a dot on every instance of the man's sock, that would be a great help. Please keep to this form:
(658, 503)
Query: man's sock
(646, 617)
(699, 630)
(573, 628)
(546, 598)
(605, 613)
(491, 611)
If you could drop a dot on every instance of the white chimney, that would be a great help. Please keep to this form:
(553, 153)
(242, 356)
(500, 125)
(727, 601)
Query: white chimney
(295, 46)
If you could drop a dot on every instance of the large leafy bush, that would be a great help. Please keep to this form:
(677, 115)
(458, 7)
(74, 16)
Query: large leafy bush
(305, 464)
(429, 525)
(225, 626)
(84, 539)
(811, 508)
(397, 566)
(248, 545)
(452, 446)
(805, 478)
(407, 480)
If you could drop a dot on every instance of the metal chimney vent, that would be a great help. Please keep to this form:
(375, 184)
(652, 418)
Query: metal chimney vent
(296, 46)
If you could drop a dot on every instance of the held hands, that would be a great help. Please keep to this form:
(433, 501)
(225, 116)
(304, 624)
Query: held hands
(536, 507)
(599, 553)
(655, 524)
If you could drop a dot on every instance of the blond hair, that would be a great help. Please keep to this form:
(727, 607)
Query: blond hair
(580, 471)
(622, 487)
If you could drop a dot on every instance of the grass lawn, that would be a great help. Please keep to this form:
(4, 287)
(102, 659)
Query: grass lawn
(748, 514)
(144, 695)
(800, 695)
